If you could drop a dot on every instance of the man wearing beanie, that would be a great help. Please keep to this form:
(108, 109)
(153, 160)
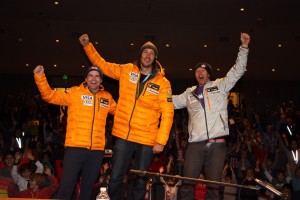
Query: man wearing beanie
(88, 107)
(208, 124)
(144, 117)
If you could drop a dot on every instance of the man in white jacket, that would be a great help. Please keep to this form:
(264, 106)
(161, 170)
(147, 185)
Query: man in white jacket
(208, 122)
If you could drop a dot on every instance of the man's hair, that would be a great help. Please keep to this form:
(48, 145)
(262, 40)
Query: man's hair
(27, 166)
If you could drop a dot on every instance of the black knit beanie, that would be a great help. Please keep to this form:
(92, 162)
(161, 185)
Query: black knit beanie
(94, 68)
(205, 66)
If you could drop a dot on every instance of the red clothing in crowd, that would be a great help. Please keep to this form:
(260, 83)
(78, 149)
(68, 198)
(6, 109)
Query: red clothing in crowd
(200, 191)
(44, 192)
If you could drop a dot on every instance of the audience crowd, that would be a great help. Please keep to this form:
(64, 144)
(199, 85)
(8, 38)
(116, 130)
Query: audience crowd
(262, 145)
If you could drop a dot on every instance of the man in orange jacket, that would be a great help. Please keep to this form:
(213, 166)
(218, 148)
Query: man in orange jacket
(144, 116)
(88, 107)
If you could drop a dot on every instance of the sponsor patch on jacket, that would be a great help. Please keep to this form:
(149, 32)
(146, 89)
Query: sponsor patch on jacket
(87, 100)
(213, 90)
(169, 95)
(104, 103)
(153, 88)
(192, 99)
(134, 77)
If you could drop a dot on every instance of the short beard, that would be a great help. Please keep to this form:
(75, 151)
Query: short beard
(146, 66)
(139, 63)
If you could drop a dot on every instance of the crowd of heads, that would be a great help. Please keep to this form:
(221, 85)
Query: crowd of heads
(27, 122)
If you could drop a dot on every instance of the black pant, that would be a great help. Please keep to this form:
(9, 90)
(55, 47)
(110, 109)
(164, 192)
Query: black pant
(122, 156)
(76, 160)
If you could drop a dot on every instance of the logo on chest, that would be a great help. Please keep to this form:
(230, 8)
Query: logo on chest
(87, 100)
(104, 103)
(134, 77)
(153, 88)
(213, 90)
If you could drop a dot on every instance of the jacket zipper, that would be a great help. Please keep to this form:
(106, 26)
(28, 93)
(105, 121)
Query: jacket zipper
(93, 122)
(131, 118)
(206, 121)
(136, 97)
(206, 126)
(98, 104)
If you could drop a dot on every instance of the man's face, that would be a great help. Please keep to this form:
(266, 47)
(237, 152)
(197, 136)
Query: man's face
(26, 174)
(9, 160)
(201, 75)
(147, 58)
(93, 80)
(280, 177)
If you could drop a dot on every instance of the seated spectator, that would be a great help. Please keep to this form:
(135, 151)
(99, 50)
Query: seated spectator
(268, 135)
(291, 154)
(157, 162)
(242, 165)
(37, 189)
(229, 193)
(148, 190)
(247, 194)
(7, 164)
(294, 172)
(266, 165)
(47, 161)
(7, 184)
(22, 175)
(200, 188)
(280, 160)
(279, 181)
(171, 184)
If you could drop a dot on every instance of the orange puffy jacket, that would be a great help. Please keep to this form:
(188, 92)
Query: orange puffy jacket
(146, 119)
(86, 113)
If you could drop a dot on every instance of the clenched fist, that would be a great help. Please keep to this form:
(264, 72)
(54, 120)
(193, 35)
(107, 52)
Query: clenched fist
(245, 40)
(38, 70)
(84, 40)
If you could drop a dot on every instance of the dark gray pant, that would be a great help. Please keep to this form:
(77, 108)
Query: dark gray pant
(122, 156)
(76, 160)
(198, 154)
